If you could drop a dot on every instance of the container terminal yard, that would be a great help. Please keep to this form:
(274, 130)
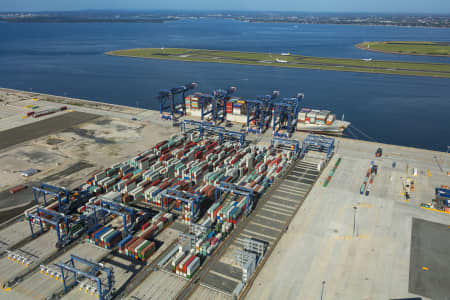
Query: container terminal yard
(207, 199)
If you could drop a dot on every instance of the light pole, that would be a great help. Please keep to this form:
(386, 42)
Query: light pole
(323, 289)
(354, 220)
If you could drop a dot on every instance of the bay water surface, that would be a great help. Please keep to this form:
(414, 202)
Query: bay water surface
(68, 59)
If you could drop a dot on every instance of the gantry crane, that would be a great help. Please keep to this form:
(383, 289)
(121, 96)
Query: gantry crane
(215, 104)
(169, 107)
(259, 112)
(285, 116)
(72, 274)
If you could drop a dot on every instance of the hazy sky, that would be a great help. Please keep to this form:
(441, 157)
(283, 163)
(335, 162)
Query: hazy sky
(406, 6)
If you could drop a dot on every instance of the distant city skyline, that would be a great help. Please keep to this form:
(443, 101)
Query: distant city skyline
(342, 6)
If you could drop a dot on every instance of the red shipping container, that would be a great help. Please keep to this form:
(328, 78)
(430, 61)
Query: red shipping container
(188, 263)
(136, 243)
(157, 146)
(145, 225)
(156, 182)
(217, 210)
(127, 176)
(127, 245)
(149, 233)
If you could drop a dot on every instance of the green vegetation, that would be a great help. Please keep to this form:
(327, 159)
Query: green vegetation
(411, 48)
(290, 61)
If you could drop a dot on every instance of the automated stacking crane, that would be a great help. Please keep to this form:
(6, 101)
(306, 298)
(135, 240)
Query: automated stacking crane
(193, 200)
(220, 131)
(223, 133)
(290, 145)
(225, 187)
(318, 143)
(188, 126)
(169, 107)
(66, 229)
(215, 104)
(67, 200)
(116, 209)
(285, 116)
(259, 112)
(72, 274)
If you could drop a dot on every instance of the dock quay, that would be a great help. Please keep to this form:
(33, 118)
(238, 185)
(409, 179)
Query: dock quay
(125, 205)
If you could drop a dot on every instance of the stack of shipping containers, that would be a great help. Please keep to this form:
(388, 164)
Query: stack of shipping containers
(194, 165)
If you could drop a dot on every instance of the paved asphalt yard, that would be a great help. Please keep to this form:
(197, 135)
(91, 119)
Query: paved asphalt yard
(27, 132)
(429, 270)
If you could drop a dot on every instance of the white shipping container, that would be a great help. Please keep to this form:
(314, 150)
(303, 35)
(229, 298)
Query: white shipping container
(193, 266)
(100, 176)
(177, 259)
(183, 261)
(169, 217)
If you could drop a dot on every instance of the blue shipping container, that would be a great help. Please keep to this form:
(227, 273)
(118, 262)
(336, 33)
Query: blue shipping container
(125, 240)
(98, 234)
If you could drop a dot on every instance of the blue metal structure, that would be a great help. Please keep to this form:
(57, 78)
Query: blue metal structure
(52, 218)
(318, 143)
(116, 209)
(168, 101)
(65, 204)
(220, 100)
(207, 107)
(215, 104)
(192, 199)
(238, 190)
(256, 115)
(240, 136)
(50, 190)
(203, 127)
(285, 116)
(104, 289)
(445, 193)
(291, 145)
(259, 112)
(223, 133)
(187, 125)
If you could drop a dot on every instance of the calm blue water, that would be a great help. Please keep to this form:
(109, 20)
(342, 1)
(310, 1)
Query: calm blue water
(68, 59)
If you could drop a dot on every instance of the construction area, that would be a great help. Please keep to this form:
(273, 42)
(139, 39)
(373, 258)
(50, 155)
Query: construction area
(203, 200)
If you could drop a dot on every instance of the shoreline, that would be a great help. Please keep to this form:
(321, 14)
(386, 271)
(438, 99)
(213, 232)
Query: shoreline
(101, 105)
(360, 46)
(80, 102)
(375, 25)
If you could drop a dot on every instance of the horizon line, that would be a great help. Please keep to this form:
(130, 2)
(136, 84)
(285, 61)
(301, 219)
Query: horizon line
(226, 10)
